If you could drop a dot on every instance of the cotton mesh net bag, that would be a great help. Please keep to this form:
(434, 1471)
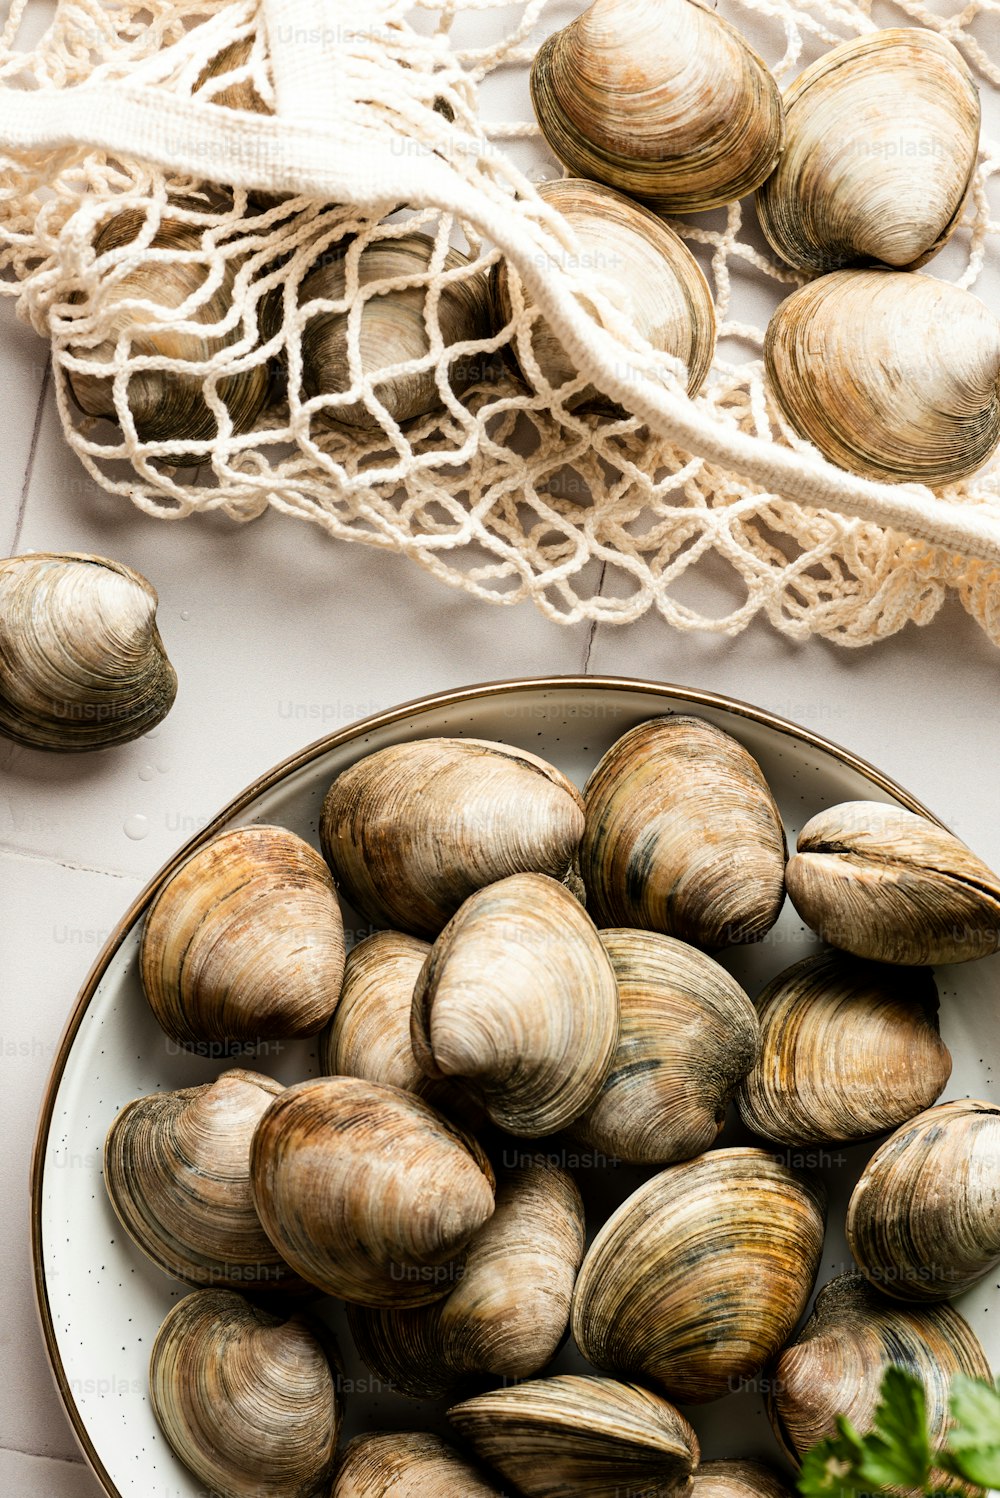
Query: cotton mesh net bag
(190, 189)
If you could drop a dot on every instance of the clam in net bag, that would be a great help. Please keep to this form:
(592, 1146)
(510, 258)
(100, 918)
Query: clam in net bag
(188, 190)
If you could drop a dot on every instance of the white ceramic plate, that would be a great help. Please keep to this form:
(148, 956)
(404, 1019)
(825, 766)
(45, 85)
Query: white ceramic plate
(101, 1302)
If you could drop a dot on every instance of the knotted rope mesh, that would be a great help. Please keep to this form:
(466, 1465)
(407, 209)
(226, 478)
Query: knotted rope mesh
(503, 491)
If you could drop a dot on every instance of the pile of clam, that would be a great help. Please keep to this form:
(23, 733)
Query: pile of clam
(539, 969)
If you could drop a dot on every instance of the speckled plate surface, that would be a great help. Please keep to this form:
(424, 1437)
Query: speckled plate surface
(101, 1302)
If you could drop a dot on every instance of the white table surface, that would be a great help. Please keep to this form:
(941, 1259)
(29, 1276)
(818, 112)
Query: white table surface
(278, 636)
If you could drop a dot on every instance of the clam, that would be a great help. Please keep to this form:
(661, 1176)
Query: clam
(688, 1034)
(244, 941)
(138, 312)
(246, 1400)
(740, 1478)
(647, 268)
(662, 99)
(177, 1172)
(238, 94)
(923, 1223)
(894, 377)
(518, 999)
(849, 1049)
(683, 836)
(507, 1315)
(700, 1275)
(366, 1191)
(881, 142)
(395, 369)
(82, 665)
(836, 1364)
(890, 885)
(411, 831)
(407, 1464)
(581, 1437)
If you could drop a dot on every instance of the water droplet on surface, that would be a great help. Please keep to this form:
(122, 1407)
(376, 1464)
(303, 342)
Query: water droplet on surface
(154, 733)
(146, 772)
(164, 766)
(185, 613)
(136, 827)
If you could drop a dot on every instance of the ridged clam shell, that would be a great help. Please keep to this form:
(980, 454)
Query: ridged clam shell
(662, 99)
(881, 141)
(700, 1276)
(849, 1049)
(508, 1314)
(924, 1222)
(247, 1401)
(739, 1478)
(177, 1172)
(411, 831)
(892, 376)
(82, 665)
(836, 1364)
(650, 270)
(168, 405)
(366, 1191)
(887, 884)
(407, 1464)
(683, 836)
(240, 94)
(570, 1436)
(245, 941)
(518, 999)
(688, 1035)
(393, 331)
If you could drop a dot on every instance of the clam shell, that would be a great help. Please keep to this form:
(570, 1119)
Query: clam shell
(177, 1172)
(741, 1478)
(411, 831)
(683, 836)
(393, 331)
(366, 1191)
(881, 142)
(849, 1049)
(245, 941)
(895, 377)
(836, 1364)
(407, 1464)
(518, 998)
(646, 266)
(662, 99)
(923, 1223)
(507, 1315)
(238, 95)
(688, 1035)
(167, 405)
(700, 1276)
(887, 884)
(247, 1401)
(82, 665)
(571, 1436)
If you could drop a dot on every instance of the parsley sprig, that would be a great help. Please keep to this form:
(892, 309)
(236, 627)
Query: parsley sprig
(897, 1452)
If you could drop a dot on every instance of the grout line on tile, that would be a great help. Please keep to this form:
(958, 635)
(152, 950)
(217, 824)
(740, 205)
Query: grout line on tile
(11, 850)
(593, 623)
(35, 431)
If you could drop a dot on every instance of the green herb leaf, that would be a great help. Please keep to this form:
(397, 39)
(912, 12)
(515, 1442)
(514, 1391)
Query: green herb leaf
(974, 1441)
(829, 1470)
(898, 1452)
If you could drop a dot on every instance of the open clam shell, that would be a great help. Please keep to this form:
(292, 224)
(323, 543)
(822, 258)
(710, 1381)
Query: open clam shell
(581, 1437)
(688, 1035)
(895, 377)
(246, 1400)
(412, 830)
(245, 941)
(518, 999)
(848, 1049)
(367, 1192)
(887, 884)
(508, 1314)
(661, 99)
(177, 1172)
(683, 836)
(701, 1274)
(646, 267)
(743, 1477)
(407, 1464)
(923, 1223)
(881, 142)
(82, 665)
